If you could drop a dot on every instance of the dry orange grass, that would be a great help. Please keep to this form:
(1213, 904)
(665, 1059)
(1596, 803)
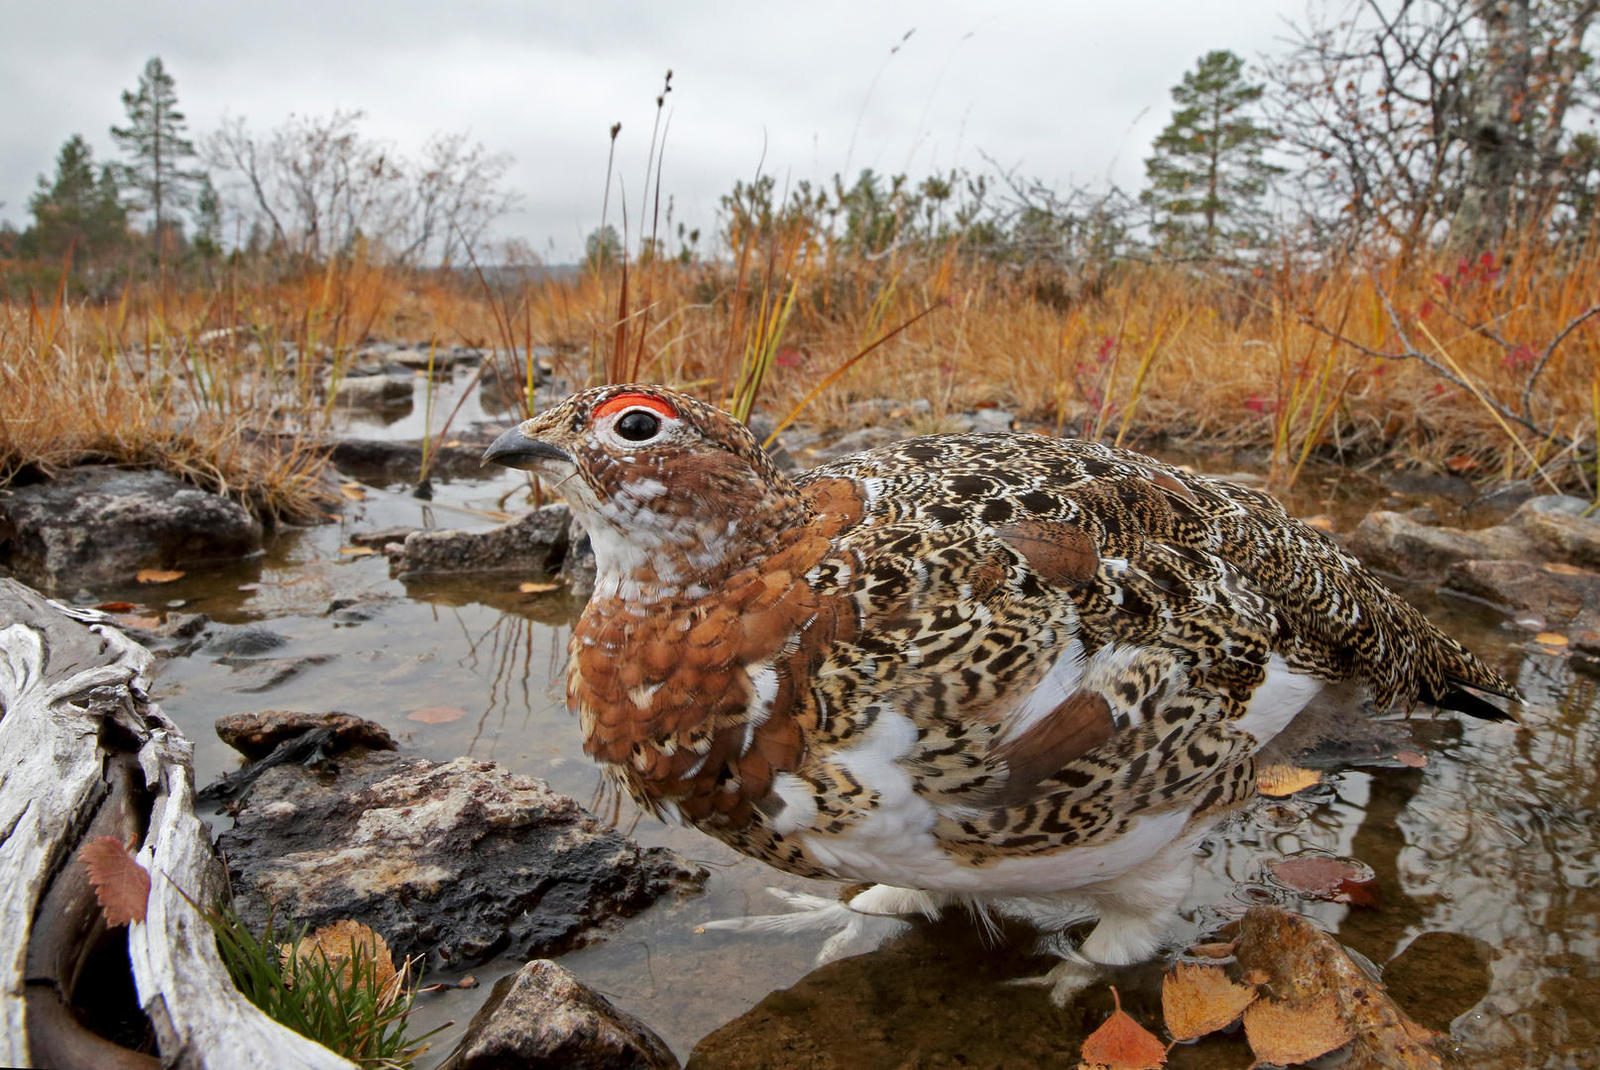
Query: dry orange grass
(1427, 362)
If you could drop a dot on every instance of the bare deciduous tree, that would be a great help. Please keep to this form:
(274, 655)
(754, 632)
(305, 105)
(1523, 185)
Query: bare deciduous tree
(317, 186)
(1413, 119)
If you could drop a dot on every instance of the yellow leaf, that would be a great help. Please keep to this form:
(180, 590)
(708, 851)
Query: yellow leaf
(1289, 1033)
(1322, 522)
(158, 575)
(354, 491)
(357, 551)
(1561, 568)
(342, 941)
(538, 588)
(1278, 781)
(131, 620)
(1550, 639)
(1196, 1000)
(437, 714)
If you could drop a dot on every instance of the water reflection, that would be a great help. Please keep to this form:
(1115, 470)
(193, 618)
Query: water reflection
(1487, 858)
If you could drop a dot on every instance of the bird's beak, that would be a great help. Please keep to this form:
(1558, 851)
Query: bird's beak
(514, 449)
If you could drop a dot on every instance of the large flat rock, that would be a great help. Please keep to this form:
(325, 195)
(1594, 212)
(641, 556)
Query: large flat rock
(99, 525)
(458, 861)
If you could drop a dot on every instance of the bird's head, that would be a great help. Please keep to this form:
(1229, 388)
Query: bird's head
(661, 481)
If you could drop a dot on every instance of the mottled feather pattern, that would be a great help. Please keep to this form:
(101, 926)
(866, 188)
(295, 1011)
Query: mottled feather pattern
(938, 658)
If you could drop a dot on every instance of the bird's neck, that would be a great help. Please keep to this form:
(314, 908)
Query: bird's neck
(649, 551)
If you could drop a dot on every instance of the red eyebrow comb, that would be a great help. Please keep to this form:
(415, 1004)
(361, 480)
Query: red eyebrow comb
(629, 401)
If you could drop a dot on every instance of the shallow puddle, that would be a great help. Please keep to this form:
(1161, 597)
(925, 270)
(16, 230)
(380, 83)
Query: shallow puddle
(1486, 857)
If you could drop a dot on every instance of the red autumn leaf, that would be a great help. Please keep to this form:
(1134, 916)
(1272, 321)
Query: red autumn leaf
(117, 607)
(120, 884)
(1122, 1044)
(1336, 880)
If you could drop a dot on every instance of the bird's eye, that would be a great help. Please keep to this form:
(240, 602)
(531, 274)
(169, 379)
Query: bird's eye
(638, 425)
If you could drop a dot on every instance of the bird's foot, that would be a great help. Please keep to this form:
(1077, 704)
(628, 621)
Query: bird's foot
(1066, 978)
(865, 923)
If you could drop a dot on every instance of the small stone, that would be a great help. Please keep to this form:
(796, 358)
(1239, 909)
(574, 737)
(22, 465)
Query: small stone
(533, 544)
(543, 1017)
(373, 391)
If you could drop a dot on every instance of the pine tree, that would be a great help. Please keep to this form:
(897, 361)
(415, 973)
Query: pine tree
(154, 141)
(76, 209)
(1207, 177)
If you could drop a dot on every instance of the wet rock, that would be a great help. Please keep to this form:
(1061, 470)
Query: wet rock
(1557, 524)
(244, 640)
(544, 1018)
(98, 525)
(373, 391)
(457, 862)
(533, 544)
(377, 460)
(353, 609)
(254, 675)
(1399, 544)
(256, 735)
(578, 568)
(1559, 594)
(383, 536)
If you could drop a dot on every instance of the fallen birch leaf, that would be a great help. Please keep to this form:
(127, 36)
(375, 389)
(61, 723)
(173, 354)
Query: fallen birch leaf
(437, 714)
(116, 607)
(1280, 781)
(1336, 880)
(338, 944)
(157, 575)
(130, 620)
(1561, 568)
(354, 491)
(121, 885)
(1414, 759)
(1461, 462)
(1550, 639)
(1288, 1033)
(538, 588)
(1322, 522)
(1196, 1000)
(1122, 1044)
(357, 551)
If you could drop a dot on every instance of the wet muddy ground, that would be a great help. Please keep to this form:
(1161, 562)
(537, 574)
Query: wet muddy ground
(1487, 857)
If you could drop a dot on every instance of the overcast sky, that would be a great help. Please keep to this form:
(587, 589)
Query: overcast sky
(1068, 91)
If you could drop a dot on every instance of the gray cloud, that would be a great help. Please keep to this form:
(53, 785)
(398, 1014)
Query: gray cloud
(1066, 90)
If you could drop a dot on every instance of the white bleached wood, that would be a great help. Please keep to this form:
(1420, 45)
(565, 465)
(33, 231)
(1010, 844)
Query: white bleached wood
(63, 674)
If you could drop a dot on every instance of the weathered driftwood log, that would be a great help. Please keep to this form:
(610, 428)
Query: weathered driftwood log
(85, 753)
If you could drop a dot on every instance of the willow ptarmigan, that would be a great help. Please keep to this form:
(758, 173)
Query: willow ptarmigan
(1005, 670)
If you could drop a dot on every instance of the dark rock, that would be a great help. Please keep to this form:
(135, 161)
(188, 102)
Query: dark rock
(379, 460)
(255, 735)
(98, 525)
(533, 544)
(578, 569)
(440, 358)
(544, 1018)
(245, 640)
(352, 609)
(457, 862)
(1398, 544)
